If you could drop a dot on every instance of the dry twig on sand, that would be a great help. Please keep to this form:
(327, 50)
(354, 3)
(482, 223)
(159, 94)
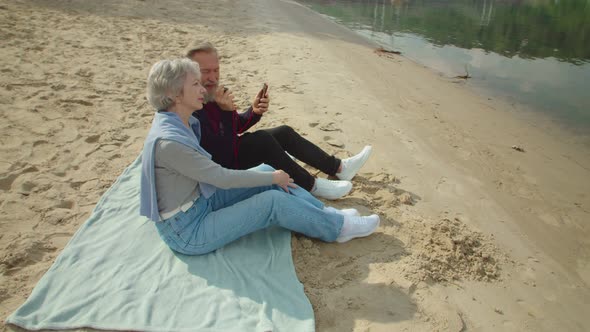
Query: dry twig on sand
(466, 76)
(382, 51)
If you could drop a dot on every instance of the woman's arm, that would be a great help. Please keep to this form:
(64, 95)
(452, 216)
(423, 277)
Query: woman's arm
(190, 163)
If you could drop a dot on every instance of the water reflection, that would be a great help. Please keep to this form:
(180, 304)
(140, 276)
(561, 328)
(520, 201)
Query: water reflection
(535, 51)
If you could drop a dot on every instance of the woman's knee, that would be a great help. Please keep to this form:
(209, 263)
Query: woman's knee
(273, 197)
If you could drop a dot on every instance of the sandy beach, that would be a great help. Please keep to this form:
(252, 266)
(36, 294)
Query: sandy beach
(475, 235)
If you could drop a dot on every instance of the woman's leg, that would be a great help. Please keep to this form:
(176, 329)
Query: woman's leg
(224, 198)
(268, 208)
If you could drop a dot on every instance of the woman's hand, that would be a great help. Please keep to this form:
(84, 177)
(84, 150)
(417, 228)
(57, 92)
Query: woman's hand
(283, 180)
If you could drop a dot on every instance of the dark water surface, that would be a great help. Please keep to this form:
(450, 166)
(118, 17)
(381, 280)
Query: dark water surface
(535, 52)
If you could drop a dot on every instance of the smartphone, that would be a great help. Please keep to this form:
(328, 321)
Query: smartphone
(263, 91)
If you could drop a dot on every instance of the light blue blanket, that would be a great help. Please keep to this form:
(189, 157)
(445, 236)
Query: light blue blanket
(116, 274)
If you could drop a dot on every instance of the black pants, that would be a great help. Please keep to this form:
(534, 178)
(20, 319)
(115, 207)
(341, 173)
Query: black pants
(269, 146)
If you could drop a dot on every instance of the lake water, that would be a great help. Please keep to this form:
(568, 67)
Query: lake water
(535, 52)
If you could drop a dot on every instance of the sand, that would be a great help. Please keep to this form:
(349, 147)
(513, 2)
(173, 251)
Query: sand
(475, 235)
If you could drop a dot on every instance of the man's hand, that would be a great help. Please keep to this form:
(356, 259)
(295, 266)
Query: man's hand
(225, 99)
(260, 104)
(283, 180)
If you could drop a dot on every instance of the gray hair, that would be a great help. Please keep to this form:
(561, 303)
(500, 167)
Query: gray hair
(205, 47)
(166, 80)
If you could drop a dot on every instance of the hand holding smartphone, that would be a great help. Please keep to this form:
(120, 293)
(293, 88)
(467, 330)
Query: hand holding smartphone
(258, 106)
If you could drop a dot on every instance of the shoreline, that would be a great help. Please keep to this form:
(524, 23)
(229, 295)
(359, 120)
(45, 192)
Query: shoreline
(519, 128)
(441, 152)
(535, 114)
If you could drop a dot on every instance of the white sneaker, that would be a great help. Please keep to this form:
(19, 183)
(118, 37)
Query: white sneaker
(354, 227)
(344, 212)
(330, 189)
(351, 166)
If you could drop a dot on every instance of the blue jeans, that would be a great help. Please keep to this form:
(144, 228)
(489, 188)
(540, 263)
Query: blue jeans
(213, 222)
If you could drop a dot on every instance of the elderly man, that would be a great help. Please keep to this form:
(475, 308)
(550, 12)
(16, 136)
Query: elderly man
(223, 135)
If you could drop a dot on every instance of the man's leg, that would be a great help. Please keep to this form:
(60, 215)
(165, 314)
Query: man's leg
(261, 147)
(304, 150)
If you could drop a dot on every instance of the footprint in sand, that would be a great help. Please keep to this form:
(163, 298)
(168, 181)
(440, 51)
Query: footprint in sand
(26, 187)
(65, 204)
(6, 182)
(59, 240)
(529, 276)
(76, 101)
(284, 88)
(68, 135)
(374, 301)
(4, 293)
(34, 94)
(333, 142)
(114, 156)
(83, 72)
(47, 96)
(57, 216)
(87, 186)
(92, 139)
(58, 87)
(110, 147)
(41, 152)
(331, 126)
(24, 250)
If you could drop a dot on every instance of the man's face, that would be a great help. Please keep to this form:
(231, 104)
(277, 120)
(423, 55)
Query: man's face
(209, 63)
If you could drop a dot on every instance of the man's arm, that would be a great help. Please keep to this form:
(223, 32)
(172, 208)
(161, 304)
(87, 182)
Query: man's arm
(246, 119)
(241, 121)
(253, 114)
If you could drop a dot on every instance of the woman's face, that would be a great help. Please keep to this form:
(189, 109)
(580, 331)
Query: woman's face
(193, 92)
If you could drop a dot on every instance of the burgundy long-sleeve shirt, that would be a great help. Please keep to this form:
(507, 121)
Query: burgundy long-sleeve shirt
(220, 132)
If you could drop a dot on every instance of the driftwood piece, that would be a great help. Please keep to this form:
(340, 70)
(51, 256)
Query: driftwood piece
(466, 76)
(382, 51)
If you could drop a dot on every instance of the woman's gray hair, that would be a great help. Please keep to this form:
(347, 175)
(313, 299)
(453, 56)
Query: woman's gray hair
(166, 80)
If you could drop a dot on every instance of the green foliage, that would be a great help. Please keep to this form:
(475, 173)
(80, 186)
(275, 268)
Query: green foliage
(529, 29)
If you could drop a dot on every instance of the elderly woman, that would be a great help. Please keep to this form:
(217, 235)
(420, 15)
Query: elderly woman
(199, 206)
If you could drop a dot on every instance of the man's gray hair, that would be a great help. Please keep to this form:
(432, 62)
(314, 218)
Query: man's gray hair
(205, 47)
(166, 80)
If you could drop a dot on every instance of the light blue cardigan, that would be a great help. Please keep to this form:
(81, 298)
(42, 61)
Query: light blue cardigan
(169, 126)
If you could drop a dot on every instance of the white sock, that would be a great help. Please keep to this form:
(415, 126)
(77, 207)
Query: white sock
(351, 166)
(354, 227)
(330, 189)
(344, 212)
